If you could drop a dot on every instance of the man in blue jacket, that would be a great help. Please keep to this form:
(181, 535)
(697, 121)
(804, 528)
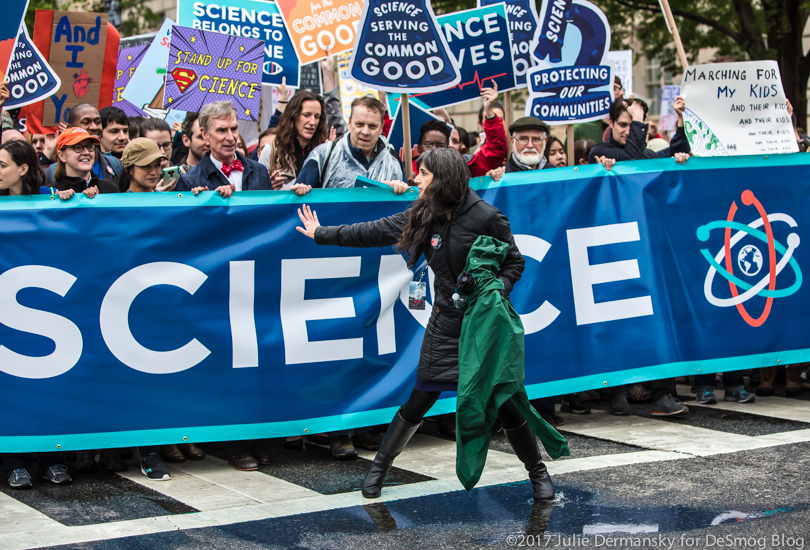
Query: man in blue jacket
(222, 168)
(628, 139)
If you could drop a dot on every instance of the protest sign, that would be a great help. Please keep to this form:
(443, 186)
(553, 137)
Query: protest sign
(320, 25)
(479, 41)
(736, 109)
(145, 86)
(249, 19)
(76, 53)
(207, 66)
(572, 83)
(399, 48)
(30, 77)
(622, 63)
(349, 89)
(311, 78)
(669, 118)
(249, 334)
(418, 116)
(10, 23)
(128, 61)
(522, 18)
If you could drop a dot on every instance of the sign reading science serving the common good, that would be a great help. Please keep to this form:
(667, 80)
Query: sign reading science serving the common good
(479, 41)
(399, 48)
(208, 66)
(736, 109)
(30, 78)
(249, 19)
(573, 81)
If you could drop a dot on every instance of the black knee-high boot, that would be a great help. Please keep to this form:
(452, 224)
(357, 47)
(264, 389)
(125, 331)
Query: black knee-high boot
(525, 446)
(399, 433)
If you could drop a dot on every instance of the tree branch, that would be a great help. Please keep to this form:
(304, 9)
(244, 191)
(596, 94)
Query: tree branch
(728, 31)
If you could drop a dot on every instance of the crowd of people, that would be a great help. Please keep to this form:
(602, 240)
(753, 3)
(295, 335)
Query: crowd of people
(309, 145)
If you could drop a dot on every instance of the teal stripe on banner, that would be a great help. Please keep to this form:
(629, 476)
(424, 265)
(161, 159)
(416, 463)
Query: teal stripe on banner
(211, 198)
(14, 444)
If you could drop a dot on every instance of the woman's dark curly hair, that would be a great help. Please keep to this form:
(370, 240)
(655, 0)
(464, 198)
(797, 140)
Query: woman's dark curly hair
(22, 152)
(284, 145)
(447, 191)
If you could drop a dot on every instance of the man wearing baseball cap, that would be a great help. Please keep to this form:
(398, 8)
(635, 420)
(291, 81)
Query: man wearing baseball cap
(529, 137)
(76, 153)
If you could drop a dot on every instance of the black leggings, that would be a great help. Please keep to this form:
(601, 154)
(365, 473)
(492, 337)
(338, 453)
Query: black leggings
(420, 402)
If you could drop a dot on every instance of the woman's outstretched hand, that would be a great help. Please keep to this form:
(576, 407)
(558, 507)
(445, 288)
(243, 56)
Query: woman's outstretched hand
(310, 221)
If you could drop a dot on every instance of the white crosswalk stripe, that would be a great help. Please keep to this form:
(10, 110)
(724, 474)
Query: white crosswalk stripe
(224, 496)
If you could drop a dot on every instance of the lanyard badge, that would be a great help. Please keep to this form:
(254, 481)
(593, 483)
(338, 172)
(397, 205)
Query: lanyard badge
(417, 293)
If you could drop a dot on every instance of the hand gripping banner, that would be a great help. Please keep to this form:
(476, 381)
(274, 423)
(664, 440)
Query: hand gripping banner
(235, 326)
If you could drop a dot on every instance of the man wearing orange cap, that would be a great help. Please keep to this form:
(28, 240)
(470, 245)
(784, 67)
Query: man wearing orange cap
(76, 153)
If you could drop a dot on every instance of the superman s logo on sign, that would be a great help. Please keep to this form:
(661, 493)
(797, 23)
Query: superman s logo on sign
(183, 78)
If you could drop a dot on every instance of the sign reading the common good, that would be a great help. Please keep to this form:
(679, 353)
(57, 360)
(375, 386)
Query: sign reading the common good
(30, 78)
(399, 48)
(736, 109)
(128, 61)
(78, 40)
(319, 25)
(249, 19)
(573, 81)
(522, 18)
(208, 66)
(479, 41)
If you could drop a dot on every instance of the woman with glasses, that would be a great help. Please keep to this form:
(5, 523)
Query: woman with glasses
(75, 155)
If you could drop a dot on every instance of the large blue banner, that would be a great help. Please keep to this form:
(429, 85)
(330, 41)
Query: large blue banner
(158, 318)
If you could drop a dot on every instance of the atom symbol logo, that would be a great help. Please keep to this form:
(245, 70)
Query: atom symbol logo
(750, 260)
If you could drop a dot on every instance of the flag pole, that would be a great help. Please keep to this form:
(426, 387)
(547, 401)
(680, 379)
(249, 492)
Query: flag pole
(406, 135)
(673, 28)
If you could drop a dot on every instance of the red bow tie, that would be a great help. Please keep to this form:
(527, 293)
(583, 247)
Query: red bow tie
(228, 168)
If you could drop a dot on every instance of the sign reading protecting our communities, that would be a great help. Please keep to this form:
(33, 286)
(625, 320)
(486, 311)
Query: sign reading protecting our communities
(400, 49)
(249, 19)
(30, 78)
(736, 109)
(319, 25)
(522, 17)
(573, 81)
(78, 41)
(208, 66)
(479, 41)
(128, 60)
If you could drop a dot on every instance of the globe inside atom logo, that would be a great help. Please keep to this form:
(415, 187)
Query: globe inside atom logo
(750, 260)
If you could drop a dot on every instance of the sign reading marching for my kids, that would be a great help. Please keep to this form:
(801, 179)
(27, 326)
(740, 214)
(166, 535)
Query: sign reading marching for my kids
(479, 41)
(320, 25)
(14, 12)
(249, 19)
(522, 18)
(736, 109)
(573, 81)
(399, 48)
(128, 61)
(30, 78)
(208, 66)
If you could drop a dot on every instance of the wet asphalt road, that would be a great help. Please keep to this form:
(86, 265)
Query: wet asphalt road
(757, 498)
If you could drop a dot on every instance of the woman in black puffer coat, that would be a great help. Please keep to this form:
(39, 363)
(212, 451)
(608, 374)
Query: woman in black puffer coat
(442, 224)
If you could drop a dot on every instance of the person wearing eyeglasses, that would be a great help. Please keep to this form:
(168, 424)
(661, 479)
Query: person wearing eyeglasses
(529, 135)
(75, 156)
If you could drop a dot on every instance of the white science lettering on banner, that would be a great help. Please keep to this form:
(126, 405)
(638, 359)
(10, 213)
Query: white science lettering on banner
(736, 109)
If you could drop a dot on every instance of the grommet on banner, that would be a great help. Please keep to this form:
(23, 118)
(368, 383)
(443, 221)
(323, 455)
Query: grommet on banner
(605, 382)
(778, 360)
(58, 446)
(185, 438)
(698, 370)
(179, 194)
(51, 197)
(766, 156)
(576, 169)
(306, 431)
